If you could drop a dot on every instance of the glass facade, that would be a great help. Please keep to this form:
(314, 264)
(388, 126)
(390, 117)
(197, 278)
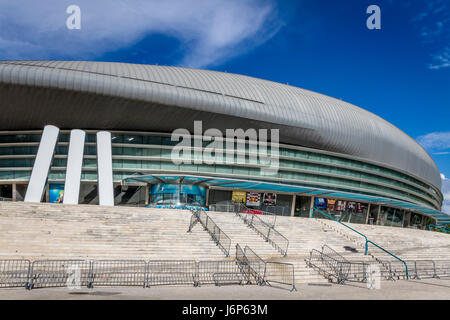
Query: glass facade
(146, 153)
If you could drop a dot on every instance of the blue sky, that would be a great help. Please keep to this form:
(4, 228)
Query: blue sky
(401, 72)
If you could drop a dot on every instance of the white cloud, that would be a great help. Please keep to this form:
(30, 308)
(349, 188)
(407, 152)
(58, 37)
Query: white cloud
(437, 142)
(208, 30)
(433, 24)
(441, 60)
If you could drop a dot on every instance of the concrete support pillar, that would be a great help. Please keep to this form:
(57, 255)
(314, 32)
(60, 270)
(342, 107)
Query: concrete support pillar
(378, 215)
(294, 198)
(104, 169)
(310, 207)
(74, 164)
(368, 213)
(47, 193)
(404, 217)
(147, 190)
(14, 192)
(42, 163)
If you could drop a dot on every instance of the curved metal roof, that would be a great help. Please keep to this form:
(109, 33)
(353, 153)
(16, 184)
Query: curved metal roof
(100, 95)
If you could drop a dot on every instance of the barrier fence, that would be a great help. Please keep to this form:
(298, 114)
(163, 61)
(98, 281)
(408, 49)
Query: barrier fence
(256, 264)
(279, 273)
(325, 265)
(118, 273)
(265, 272)
(171, 272)
(367, 241)
(246, 268)
(265, 229)
(332, 265)
(14, 273)
(217, 235)
(59, 273)
(221, 272)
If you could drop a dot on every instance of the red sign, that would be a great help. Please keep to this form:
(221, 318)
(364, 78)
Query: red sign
(253, 211)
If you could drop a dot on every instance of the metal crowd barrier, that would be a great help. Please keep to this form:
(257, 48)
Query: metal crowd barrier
(317, 260)
(265, 272)
(256, 264)
(14, 273)
(357, 271)
(267, 217)
(171, 272)
(217, 235)
(333, 265)
(221, 272)
(268, 232)
(280, 273)
(367, 241)
(118, 273)
(59, 273)
(441, 268)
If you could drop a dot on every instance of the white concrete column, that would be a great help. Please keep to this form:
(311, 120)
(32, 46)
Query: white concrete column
(311, 206)
(294, 198)
(104, 169)
(14, 192)
(368, 213)
(74, 165)
(42, 164)
(147, 196)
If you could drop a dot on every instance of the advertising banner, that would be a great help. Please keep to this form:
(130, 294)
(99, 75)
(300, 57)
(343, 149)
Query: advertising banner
(270, 199)
(56, 193)
(351, 206)
(320, 203)
(331, 205)
(340, 206)
(239, 196)
(253, 199)
(361, 207)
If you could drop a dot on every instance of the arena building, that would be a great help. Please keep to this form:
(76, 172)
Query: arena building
(332, 154)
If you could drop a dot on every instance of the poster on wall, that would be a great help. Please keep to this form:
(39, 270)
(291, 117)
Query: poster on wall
(238, 196)
(340, 206)
(320, 203)
(253, 199)
(331, 204)
(361, 207)
(270, 199)
(56, 193)
(351, 206)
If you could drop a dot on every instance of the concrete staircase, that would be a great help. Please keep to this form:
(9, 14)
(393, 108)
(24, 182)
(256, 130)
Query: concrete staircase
(408, 244)
(54, 231)
(240, 233)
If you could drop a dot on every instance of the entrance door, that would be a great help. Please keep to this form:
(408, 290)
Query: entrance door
(302, 206)
(373, 214)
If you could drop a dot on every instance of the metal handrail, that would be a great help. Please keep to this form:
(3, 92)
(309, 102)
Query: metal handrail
(444, 229)
(365, 237)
